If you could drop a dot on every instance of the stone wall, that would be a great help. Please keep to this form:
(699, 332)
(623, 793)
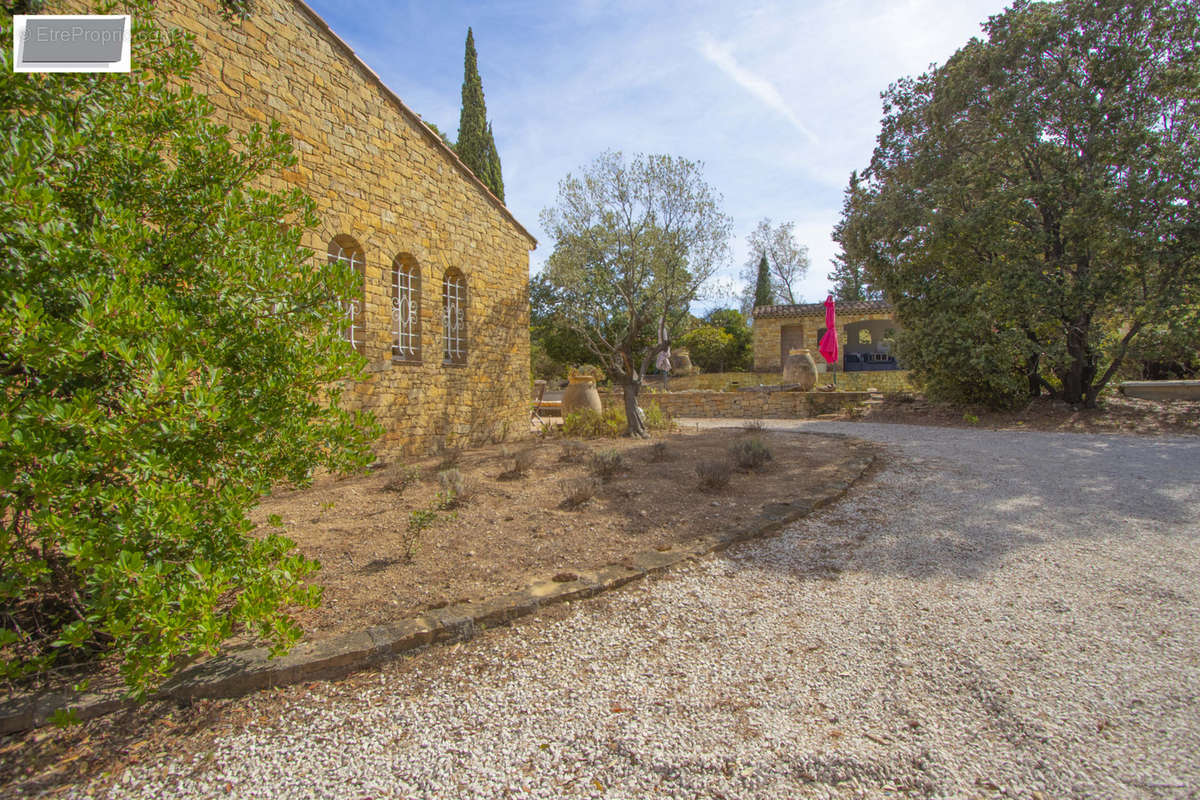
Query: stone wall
(380, 176)
(746, 405)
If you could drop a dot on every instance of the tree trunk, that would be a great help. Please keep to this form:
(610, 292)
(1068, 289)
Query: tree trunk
(1081, 372)
(1035, 380)
(633, 415)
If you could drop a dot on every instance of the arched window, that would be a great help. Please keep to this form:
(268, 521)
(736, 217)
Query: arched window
(454, 317)
(406, 308)
(345, 250)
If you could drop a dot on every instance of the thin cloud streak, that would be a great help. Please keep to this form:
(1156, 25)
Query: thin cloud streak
(723, 59)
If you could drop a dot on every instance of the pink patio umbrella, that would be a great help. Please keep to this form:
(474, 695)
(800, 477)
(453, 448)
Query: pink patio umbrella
(829, 343)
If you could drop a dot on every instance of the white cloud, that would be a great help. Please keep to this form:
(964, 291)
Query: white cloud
(722, 57)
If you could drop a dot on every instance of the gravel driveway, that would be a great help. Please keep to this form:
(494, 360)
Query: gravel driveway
(993, 614)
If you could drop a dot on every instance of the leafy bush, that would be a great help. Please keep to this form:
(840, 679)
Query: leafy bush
(750, 453)
(578, 491)
(656, 418)
(584, 423)
(714, 475)
(169, 351)
(607, 464)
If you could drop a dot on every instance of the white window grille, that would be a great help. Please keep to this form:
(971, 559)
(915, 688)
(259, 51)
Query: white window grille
(351, 255)
(406, 305)
(454, 318)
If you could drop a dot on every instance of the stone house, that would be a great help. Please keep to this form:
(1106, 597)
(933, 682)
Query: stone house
(444, 315)
(863, 328)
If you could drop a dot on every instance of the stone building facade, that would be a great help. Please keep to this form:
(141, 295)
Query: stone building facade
(444, 317)
(862, 329)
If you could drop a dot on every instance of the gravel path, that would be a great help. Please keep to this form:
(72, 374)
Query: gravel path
(994, 614)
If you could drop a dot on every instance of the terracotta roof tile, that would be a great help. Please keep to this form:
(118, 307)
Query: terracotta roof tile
(818, 309)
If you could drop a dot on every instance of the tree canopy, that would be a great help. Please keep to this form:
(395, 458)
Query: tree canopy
(634, 244)
(786, 260)
(1034, 204)
(720, 342)
(169, 351)
(849, 277)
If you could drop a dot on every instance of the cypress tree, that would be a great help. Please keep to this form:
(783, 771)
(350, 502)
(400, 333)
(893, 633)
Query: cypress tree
(494, 179)
(475, 146)
(762, 287)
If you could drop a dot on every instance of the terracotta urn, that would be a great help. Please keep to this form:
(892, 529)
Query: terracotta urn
(681, 359)
(800, 368)
(581, 393)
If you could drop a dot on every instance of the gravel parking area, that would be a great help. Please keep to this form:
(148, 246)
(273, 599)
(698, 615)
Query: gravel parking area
(993, 614)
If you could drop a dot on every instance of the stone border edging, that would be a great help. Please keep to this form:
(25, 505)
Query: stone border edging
(245, 671)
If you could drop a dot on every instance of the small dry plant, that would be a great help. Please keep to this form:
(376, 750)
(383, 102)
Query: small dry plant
(607, 463)
(574, 453)
(519, 461)
(658, 453)
(403, 480)
(456, 490)
(714, 474)
(523, 460)
(450, 459)
(750, 453)
(578, 491)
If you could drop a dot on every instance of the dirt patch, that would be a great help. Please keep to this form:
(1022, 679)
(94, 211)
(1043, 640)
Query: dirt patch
(512, 530)
(520, 524)
(1117, 414)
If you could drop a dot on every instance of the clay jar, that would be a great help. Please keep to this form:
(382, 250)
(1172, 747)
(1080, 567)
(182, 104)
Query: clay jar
(581, 393)
(681, 360)
(800, 368)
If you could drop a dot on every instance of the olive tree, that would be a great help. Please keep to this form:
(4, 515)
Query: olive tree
(169, 351)
(634, 244)
(1033, 205)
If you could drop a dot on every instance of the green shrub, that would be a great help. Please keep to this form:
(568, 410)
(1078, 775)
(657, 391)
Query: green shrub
(584, 423)
(170, 351)
(656, 418)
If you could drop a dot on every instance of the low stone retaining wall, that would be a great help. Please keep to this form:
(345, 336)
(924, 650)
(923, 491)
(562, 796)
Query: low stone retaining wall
(1162, 390)
(748, 404)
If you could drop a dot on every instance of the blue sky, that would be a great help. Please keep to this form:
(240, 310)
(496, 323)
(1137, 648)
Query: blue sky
(779, 100)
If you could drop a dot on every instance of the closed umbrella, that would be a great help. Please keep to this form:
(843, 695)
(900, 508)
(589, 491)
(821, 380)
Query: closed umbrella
(829, 343)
